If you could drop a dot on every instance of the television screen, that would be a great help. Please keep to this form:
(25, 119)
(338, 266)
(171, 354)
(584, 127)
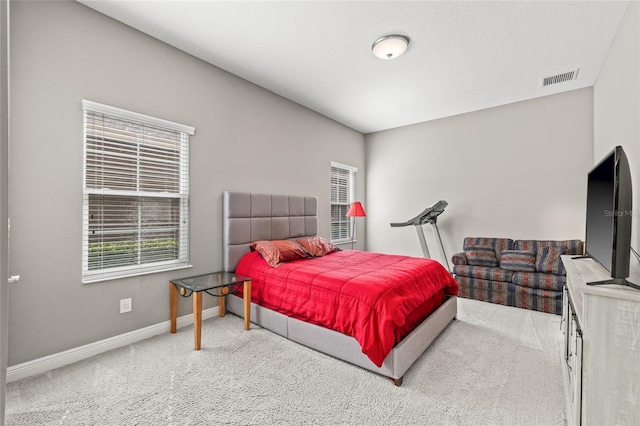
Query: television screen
(600, 205)
(609, 215)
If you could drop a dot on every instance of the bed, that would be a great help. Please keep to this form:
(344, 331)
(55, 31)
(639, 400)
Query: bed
(263, 217)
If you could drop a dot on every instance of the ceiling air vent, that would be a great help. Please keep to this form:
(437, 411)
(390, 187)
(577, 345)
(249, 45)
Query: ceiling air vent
(560, 78)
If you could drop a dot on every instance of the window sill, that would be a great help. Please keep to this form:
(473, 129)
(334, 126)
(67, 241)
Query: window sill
(100, 278)
(343, 242)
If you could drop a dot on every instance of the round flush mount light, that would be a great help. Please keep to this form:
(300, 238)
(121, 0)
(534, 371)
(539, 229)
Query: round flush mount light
(390, 46)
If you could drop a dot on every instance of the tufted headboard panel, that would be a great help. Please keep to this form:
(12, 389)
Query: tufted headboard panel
(254, 217)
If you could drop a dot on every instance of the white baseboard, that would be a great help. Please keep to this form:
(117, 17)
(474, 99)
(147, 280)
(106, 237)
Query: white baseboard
(60, 359)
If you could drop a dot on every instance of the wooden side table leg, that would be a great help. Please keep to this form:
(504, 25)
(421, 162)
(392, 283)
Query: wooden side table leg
(173, 306)
(221, 300)
(197, 319)
(247, 304)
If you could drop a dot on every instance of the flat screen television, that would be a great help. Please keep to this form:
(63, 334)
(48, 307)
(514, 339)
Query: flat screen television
(609, 216)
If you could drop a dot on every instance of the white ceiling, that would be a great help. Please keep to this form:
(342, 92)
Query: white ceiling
(463, 56)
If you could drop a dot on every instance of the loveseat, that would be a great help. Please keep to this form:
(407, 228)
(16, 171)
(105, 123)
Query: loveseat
(526, 274)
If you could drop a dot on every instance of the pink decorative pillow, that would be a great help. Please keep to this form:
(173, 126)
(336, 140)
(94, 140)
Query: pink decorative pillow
(316, 246)
(276, 252)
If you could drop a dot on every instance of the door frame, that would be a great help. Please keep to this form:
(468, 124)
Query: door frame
(4, 199)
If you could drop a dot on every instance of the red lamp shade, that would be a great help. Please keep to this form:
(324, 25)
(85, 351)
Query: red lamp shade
(356, 210)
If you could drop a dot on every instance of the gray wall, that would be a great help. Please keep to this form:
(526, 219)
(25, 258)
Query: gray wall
(247, 139)
(616, 102)
(514, 171)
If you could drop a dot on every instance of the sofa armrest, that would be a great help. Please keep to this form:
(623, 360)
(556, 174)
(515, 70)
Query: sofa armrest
(459, 259)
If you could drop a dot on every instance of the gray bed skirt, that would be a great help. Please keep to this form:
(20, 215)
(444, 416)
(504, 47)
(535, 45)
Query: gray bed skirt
(346, 348)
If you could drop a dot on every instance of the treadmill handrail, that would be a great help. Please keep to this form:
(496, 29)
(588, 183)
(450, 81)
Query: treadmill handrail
(429, 215)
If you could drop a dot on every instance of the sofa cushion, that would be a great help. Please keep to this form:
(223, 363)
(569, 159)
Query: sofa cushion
(574, 247)
(548, 260)
(499, 244)
(539, 280)
(483, 272)
(481, 256)
(518, 260)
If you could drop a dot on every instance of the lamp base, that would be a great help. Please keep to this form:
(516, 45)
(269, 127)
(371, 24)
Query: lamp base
(353, 234)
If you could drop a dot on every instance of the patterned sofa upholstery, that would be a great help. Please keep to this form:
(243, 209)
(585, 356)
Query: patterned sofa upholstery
(523, 273)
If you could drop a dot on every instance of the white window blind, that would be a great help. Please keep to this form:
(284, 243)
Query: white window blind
(343, 184)
(136, 193)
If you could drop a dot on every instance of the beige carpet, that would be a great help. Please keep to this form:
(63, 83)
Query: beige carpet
(494, 365)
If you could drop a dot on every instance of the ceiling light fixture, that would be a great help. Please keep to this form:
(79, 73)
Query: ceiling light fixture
(390, 46)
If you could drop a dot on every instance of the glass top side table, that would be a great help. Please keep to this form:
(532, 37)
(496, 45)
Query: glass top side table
(217, 284)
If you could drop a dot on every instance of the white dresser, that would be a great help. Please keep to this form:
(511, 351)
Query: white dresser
(601, 325)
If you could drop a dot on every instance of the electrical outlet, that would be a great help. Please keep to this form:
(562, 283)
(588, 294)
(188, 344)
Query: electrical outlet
(125, 305)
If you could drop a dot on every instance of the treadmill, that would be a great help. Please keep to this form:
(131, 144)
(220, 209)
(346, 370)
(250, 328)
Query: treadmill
(428, 216)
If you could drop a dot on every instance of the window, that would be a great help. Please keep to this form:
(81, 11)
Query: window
(343, 193)
(136, 194)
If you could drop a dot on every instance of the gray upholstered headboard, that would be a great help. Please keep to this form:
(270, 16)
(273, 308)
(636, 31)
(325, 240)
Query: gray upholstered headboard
(254, 217)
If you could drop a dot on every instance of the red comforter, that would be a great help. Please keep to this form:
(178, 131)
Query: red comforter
(369, 296)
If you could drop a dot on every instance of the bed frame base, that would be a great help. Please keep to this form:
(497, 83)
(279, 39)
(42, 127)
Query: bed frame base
(251, 217)
(346, 348)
